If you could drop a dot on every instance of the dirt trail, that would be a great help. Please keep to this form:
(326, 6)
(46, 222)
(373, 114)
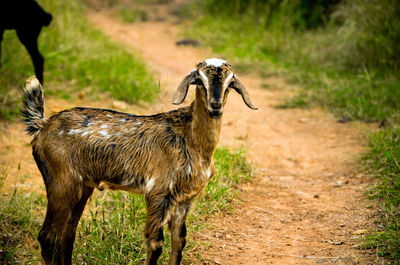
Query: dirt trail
(305, 204)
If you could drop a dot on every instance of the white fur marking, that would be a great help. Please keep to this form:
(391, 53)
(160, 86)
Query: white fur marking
(84, 133)
(189, 170)
(104, 126)
(104, 133)
(122, 120)
(61, 132)
(215, 62)
(227, 80)
(205, 78)
(208, 173)
(74, 131)
(138, 123)
(110, 116)
(149, 185)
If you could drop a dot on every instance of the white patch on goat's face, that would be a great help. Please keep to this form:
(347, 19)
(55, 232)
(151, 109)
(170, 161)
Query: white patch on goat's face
(215, 62)
(104, 133)
(204, 78)
(149, 184)
(227, 81)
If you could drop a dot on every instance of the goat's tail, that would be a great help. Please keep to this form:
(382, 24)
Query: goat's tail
(33, 102)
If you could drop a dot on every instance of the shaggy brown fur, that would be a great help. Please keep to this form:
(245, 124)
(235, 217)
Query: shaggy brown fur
(168, 157)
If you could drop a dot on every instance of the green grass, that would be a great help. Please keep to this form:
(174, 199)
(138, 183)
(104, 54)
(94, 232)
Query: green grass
(19, 226)
(382, 161)
(77, 56)
(111, 230)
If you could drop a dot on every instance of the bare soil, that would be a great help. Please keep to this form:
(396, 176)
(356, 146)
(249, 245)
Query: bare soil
(305, 204)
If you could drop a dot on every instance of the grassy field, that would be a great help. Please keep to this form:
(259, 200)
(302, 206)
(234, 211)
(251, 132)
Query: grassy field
(111, 230)
(345, 56)
(77, 57)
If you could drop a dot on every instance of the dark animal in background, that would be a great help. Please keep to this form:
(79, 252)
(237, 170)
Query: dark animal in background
(168, 157)
(27, 17)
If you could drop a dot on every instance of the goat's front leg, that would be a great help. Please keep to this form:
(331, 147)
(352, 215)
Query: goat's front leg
(157, 213)
(177, 227)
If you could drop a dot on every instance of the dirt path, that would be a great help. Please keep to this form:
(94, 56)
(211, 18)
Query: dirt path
(306, 203)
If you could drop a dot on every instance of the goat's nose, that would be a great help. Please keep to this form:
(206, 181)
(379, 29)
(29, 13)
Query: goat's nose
(216, 105)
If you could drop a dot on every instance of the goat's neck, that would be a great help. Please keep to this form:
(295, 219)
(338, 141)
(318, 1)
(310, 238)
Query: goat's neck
(204, 130)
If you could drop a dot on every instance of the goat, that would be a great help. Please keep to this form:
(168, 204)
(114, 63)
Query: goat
(168, 157)
(27, 17)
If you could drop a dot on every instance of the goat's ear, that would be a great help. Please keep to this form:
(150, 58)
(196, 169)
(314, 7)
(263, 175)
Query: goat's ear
(241, 89)
(181, 91)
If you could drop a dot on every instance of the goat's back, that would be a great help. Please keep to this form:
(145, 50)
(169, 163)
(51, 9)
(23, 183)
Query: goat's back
(120, 149)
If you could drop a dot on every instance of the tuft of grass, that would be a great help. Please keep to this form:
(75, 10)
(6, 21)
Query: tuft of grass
(230, 170)
(76, 56)
(110, 231)
(382, 161)
(19, 227)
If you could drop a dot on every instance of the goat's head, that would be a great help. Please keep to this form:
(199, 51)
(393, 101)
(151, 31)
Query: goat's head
(214, 79)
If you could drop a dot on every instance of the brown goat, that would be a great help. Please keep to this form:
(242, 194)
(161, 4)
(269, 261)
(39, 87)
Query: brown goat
(168, 157)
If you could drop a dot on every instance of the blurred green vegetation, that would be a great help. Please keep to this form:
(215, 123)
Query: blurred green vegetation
(345, 54)
(110, 232)
(77, 57)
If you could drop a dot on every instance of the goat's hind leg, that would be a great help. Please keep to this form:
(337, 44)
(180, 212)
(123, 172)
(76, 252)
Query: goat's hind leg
(177, 227)
(66, 202)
